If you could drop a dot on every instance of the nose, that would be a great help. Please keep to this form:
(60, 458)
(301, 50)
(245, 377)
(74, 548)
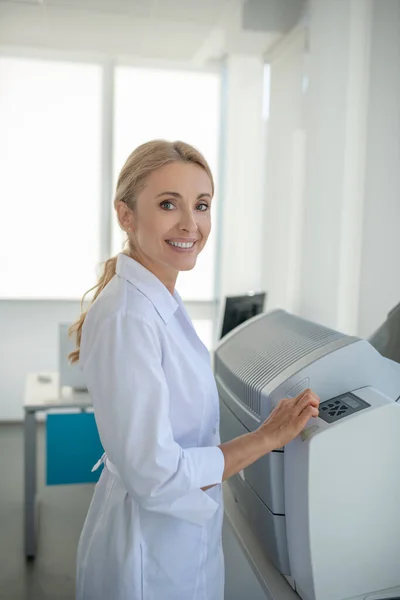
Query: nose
(188, 222)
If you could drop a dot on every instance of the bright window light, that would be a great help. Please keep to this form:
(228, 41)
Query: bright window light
(172, 105)
(50, 162)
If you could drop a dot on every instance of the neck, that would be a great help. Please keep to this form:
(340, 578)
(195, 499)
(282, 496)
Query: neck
(167, 276)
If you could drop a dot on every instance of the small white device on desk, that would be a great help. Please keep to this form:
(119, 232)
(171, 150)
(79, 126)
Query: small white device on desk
(326, 509)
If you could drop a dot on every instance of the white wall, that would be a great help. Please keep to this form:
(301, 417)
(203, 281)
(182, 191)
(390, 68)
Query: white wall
(350, 261)
(331, 241)
(380, 267)
(284, 177)
(28, 342)
(335, 125)
(325, 120)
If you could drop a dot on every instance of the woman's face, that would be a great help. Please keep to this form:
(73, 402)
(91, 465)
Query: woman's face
(172, 220)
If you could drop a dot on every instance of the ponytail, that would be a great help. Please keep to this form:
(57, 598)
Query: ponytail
(108, 273)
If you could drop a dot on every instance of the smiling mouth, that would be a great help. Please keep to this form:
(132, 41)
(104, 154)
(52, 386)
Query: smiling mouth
(181, 245)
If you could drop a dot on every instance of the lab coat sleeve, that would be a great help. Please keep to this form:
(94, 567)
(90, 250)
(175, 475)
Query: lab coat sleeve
(124, 375)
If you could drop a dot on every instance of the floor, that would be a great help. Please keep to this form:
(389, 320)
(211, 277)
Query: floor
(52, 575)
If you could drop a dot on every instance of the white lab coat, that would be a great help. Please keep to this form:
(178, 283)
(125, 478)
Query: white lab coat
(151, 533)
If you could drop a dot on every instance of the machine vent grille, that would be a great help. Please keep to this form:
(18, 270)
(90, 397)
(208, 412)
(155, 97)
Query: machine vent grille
(263, 348)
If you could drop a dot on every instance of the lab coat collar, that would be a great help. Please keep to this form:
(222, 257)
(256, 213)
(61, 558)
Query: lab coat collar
(149, 285)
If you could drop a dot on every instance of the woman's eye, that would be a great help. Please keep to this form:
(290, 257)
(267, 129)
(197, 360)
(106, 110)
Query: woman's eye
(203, 207)
(167, 205)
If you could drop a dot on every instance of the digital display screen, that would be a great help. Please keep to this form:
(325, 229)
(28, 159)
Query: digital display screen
(351, 401)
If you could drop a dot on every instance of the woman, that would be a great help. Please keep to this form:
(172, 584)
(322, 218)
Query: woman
(153, 530)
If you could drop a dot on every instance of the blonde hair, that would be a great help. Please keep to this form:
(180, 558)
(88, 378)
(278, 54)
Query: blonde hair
(132, 179)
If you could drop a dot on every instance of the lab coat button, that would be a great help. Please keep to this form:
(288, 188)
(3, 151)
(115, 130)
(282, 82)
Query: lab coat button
(214, 431)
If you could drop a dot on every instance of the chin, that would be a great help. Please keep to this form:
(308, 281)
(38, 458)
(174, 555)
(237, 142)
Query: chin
(186, 265)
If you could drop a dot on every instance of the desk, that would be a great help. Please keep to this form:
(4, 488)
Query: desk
(42, 394)
(273, 583)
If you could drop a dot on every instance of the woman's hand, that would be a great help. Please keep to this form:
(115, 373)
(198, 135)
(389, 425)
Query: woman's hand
(284, 423)
(288, 419)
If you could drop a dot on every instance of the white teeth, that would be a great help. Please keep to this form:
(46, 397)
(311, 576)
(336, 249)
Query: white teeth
(181, 244)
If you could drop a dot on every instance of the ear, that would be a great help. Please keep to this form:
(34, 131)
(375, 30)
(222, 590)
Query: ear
(125, 216)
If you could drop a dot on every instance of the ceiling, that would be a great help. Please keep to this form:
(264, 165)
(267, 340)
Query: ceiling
(204, 12)
(195, 31)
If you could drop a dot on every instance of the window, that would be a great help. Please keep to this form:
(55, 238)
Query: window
(52, 162)
(153, 103)
(50, 156)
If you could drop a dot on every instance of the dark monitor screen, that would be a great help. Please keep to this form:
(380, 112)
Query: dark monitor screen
(239, 309)
(386, 339)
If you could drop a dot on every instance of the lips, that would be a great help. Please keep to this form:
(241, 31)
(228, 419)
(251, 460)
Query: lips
(183, 240)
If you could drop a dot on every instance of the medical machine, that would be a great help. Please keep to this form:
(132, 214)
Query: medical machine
(326, 508)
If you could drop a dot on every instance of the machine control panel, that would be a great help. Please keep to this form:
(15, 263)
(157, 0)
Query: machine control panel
(342, 406)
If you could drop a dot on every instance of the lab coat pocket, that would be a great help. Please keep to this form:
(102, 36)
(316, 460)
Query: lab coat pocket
(172, 557)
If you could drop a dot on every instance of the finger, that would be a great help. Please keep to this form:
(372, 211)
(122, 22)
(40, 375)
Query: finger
(300, 396)
(306, 392)
(311, 411)
(307, 414)
(313, 394)
(308, 400)
(314, 400)
(304, 417)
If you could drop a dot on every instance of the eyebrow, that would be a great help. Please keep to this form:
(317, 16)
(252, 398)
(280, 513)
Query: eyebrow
(177, 195)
